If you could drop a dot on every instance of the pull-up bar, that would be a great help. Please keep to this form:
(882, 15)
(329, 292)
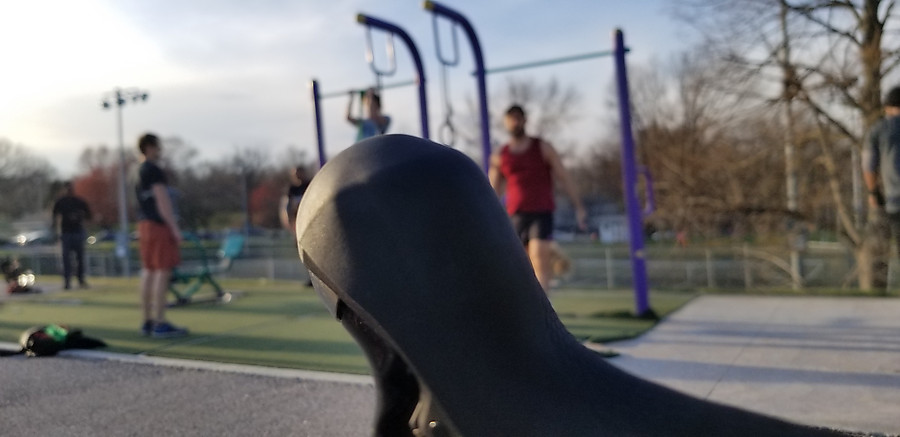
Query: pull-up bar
(417, 60)
(371, 22)
(554, 61)
(629, 166)
(460, 19)
(334, 94)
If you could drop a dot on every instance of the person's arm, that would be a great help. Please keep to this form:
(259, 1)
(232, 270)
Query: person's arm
(876, 197)
(568, 185)
(353, 121)
(498, 182)
(166, 211)
(283, 214)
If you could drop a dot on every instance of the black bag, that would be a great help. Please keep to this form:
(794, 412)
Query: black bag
(47, 340)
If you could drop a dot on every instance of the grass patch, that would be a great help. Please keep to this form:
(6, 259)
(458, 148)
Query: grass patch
(276, 323)
(603, 316)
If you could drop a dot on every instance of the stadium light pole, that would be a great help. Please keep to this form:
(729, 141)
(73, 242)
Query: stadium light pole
(119, 97)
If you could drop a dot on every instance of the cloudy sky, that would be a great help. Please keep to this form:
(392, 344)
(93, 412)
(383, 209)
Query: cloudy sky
(228, 74)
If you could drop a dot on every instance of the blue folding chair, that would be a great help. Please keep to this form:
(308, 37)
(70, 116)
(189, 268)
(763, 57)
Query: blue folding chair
(188, 280)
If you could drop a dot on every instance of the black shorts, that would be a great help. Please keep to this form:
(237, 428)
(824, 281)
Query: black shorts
(533, 225)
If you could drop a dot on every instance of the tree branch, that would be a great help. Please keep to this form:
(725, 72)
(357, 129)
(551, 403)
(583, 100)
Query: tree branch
(809, 10)
(831, 120)
(834, 183)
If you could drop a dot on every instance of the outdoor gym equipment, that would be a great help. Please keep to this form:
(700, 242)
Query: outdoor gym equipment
(192, 278)
(447, 132)
(370, 56)
(461, 337)
(392, 29)
(629, 166)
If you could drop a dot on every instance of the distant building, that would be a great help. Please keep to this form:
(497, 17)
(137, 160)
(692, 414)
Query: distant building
(613, 228)
(605, 221)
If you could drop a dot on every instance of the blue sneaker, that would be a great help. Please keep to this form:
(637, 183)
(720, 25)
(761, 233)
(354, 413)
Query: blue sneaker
(167, 330)
(147, 328)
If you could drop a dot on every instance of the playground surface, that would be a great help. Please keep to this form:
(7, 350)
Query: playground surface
(828, 361)
(278, 324)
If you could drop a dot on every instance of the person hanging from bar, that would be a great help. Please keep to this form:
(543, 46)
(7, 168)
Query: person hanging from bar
(374, 123)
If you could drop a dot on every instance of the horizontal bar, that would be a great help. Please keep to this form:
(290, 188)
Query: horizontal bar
(553, 61)
(356, 90)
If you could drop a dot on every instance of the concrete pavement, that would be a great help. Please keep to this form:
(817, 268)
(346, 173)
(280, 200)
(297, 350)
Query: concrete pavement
(822, 361)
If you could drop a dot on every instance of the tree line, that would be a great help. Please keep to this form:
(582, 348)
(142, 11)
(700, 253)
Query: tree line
(240, 189)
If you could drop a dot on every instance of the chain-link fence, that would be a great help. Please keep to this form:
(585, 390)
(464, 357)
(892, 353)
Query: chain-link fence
(825, 265)
(730, 267)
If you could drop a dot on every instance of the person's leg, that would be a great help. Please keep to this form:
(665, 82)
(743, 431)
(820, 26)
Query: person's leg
(160, 290)
(162, 328)
(147, 280)
(539, 253)
(66, 243)
(78, 248)
(520, 225)
(540, 247)
(166, 257)
(148, 269)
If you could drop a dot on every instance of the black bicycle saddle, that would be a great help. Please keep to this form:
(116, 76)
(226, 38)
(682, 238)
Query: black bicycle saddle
(409, 247)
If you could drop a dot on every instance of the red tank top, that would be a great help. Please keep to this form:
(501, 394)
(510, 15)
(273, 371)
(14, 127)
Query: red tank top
(529, 182)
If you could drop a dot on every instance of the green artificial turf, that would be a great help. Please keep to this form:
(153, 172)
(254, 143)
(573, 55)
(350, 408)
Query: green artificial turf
(275, 323)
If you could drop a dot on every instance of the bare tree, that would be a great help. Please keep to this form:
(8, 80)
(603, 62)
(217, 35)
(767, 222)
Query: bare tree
(836, 74)
(24, 180)
(551, 108)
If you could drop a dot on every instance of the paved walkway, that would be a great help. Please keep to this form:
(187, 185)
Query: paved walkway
(825, 361)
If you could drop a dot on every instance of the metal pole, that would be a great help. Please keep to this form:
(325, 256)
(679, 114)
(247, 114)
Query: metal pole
(748, 273)
(547, 62)
(122, 243)
(480, 74)
(320, 142)
(629, 175)
(333, 94)
(790, 168)
(610, 272)
(856, 184)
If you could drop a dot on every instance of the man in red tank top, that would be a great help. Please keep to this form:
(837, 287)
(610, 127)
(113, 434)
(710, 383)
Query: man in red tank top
(524, 169)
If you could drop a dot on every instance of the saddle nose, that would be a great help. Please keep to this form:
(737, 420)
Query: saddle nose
(409, 247)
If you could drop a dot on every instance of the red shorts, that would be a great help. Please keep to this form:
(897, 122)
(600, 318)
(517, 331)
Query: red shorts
(158, 248)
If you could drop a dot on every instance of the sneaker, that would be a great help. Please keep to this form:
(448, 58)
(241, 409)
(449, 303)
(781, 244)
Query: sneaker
(147, 328)
(167, 330)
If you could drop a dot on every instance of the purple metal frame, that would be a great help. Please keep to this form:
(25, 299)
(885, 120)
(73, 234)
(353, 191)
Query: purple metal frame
(420, 81)
(629, 166)
(635, 218)
(320, 142)
(629, 180)
(417, 60)
(480, 74)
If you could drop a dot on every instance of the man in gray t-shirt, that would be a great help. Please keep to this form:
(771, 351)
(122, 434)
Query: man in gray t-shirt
(881, 162)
